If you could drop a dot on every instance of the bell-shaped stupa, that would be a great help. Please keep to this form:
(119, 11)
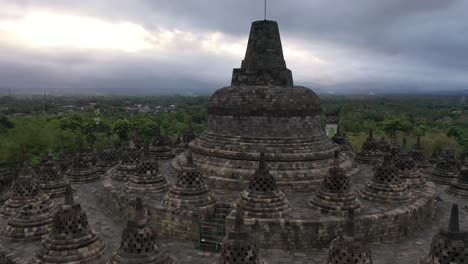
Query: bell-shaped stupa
(107, 159)
(25, 191)
(446, 169)
(347, 249)
(161, 147)
(386, 186)
(262, 199)
(422, 164)
(334, 196)
(71, 239)
(406, 166)
(450, 245)
(127, 167)
(147, 178)
(190, 191)
(342, 140)
(459, 186)
(370, 152)
(262, 111)
(139, 244)
(239, 246)
(51, 178)
(82, 170)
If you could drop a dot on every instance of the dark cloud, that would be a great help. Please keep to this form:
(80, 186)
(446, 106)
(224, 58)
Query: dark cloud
(366, 43)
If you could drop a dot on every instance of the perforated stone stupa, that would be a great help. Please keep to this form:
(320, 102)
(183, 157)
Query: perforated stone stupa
(449, 246)
(383, 145)
(262, 199)
(406, 166)
(51, 179)
(334, 196)
(342, 140)
(386, 186)
(31, 222)
(147, 178)
(262, 111)
(81, 170)
(239, 246)
(25, 191)
(459, 186)
(370, 152)
(190, 191)
(422, 164)
(161, 147)
(71, 239)
(347, 249)
(107, 159)
(446, 169)
(128, 163)
(139, 244)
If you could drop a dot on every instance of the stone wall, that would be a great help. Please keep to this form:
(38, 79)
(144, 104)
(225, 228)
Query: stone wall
(170, 222)
(317, 233)
(288, 234)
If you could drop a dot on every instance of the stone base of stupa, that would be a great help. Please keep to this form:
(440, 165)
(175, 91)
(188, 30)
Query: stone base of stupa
(11, 207)
(292, 172)
(55, 188)
(334, 203)
(83, 176)
(123, 172)
(162, 153)
(369, 158)
(442, 177)
(413, 178)
(87, 249)
(264, 206)
(458, 188)
(393, 193)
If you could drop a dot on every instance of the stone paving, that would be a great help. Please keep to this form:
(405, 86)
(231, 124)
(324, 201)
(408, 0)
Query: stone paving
(406, 251)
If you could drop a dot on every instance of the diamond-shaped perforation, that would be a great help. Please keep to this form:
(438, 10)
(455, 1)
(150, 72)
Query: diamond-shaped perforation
(190, 178)
(336, 181)
(71, 222)
(447, 251)
(148, 167)
(138, 241)
(81, 162)
(50, 171)
(370, 145)
(404, 162)
(240, 252)
(131, 157)
(160, 141)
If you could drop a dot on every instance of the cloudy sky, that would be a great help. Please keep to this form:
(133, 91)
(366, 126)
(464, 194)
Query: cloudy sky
(191, 46)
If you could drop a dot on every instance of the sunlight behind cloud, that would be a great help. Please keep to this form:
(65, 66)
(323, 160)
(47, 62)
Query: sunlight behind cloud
(46, 29)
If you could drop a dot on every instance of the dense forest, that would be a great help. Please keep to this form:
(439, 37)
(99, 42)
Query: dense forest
(32, 126)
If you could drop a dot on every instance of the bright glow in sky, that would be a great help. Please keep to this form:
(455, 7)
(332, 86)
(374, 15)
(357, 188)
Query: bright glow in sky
(46, 29)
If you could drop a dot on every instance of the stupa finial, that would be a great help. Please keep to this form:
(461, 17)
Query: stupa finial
(404, 147)
(189, 156)
(454, 225)
(336, 158)
(68, 195)
(139, 209)
(371, 133)
(262, 162)
(239, 221)
(349, 229)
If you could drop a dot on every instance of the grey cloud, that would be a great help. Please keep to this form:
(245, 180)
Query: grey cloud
(418, 39)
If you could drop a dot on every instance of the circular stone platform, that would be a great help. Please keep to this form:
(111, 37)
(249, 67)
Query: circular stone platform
(304, 229)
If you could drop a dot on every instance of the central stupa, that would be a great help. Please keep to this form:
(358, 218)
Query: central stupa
(262, 111)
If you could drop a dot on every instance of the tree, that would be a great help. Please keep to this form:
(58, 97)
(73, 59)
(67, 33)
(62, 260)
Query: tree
(5, 124)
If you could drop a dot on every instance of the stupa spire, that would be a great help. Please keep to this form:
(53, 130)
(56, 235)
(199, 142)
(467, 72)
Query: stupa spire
(454, 225)
(264, 62)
